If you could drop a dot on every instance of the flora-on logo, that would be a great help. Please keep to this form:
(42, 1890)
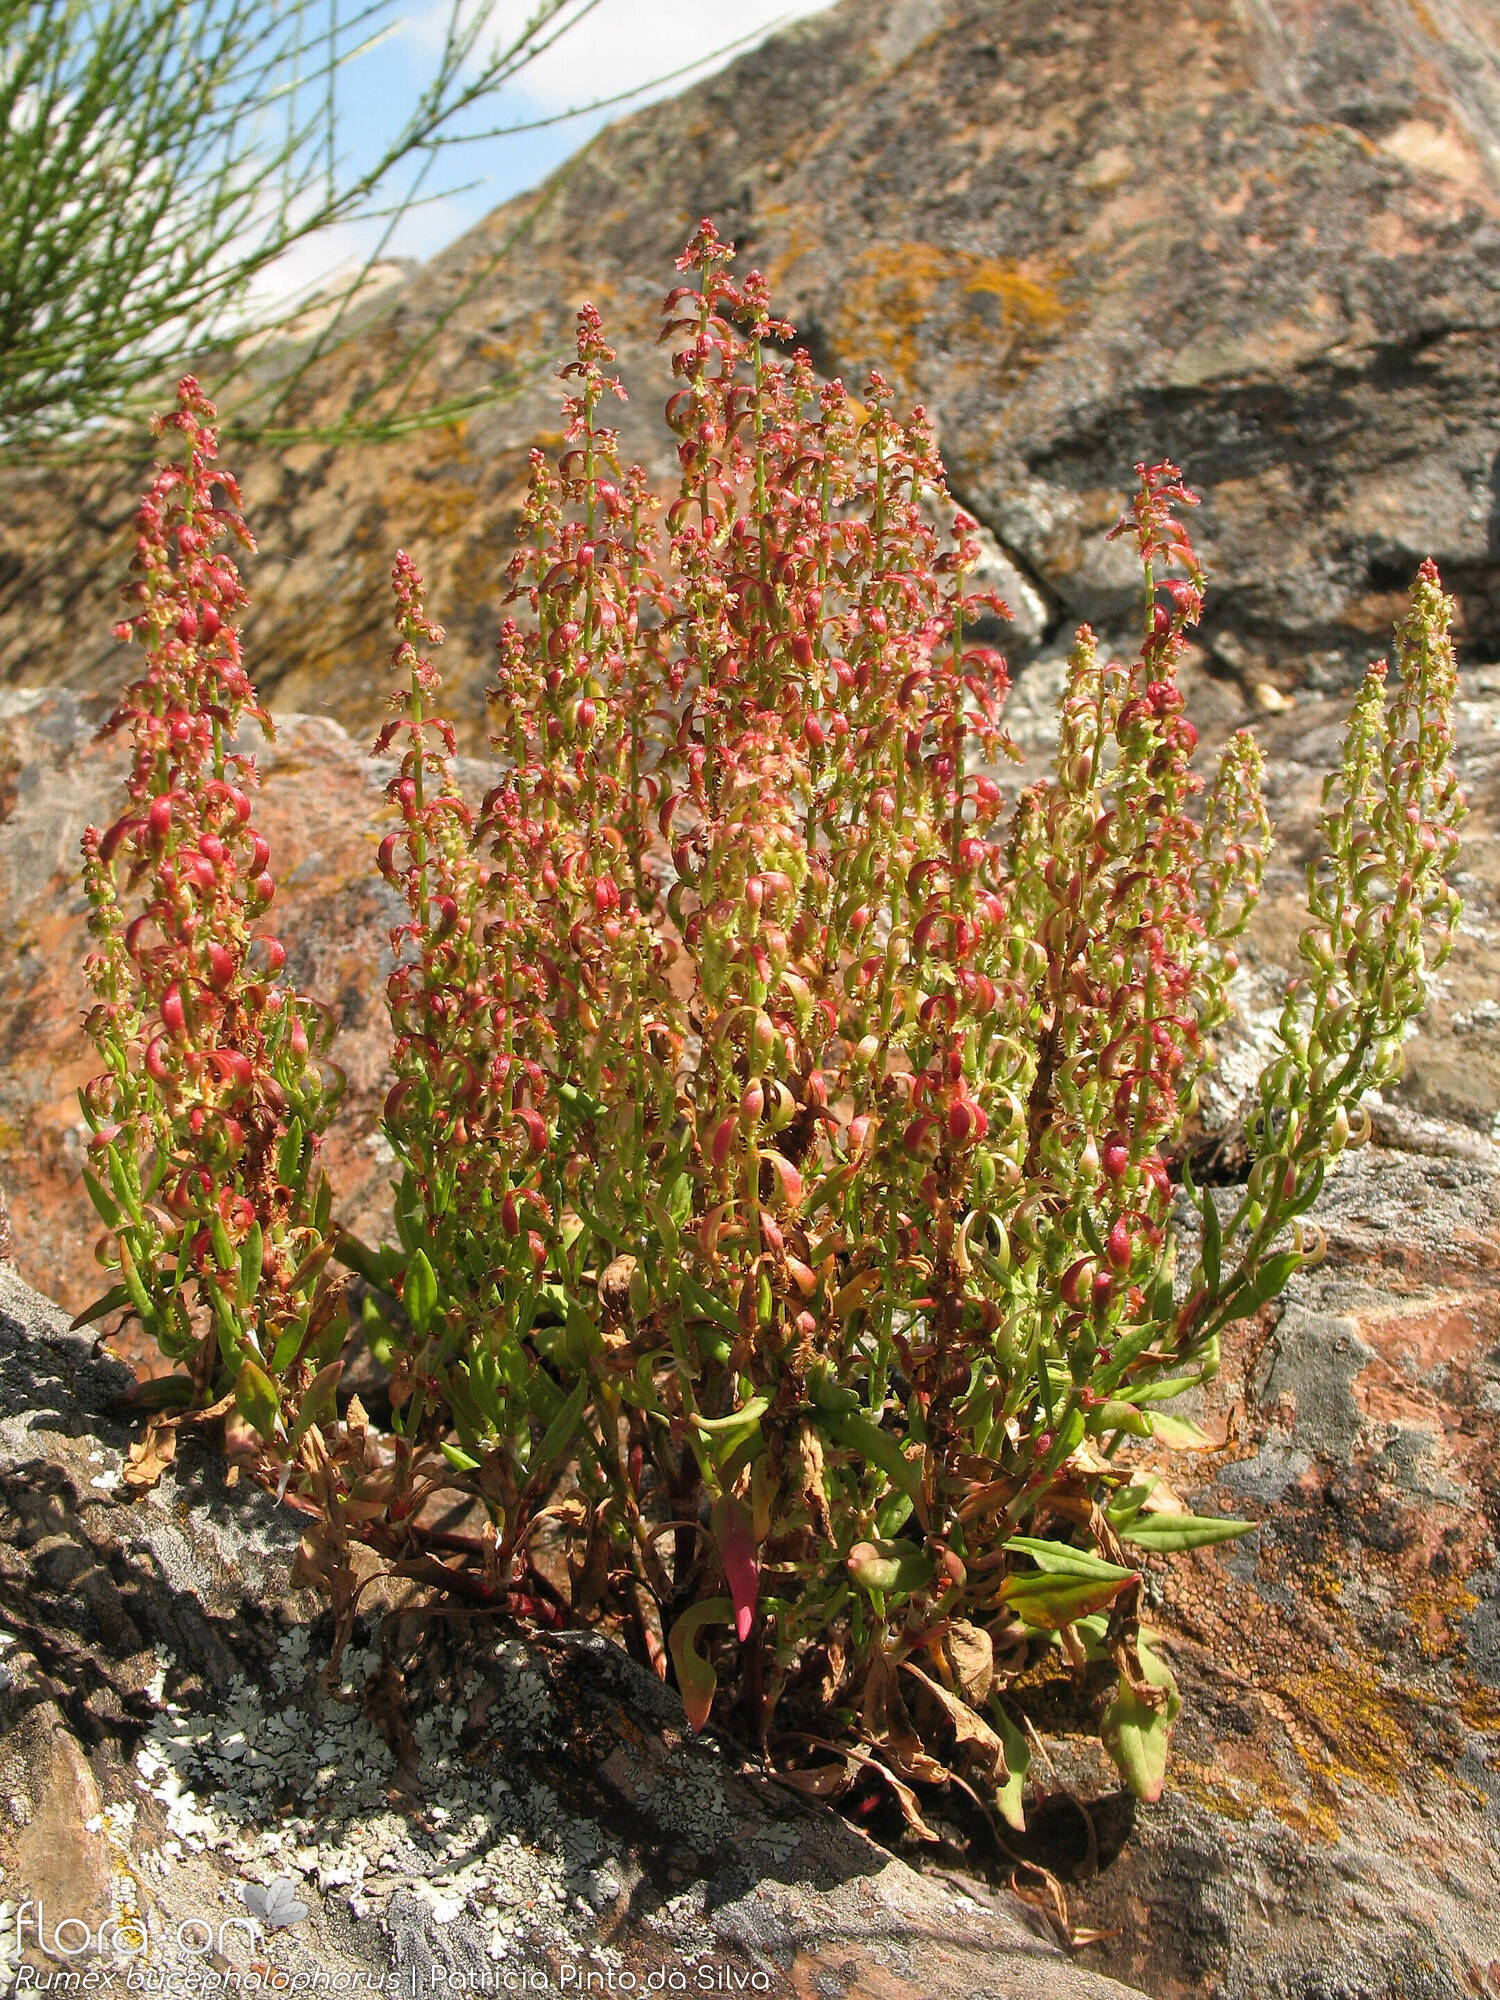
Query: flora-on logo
(276, 1907)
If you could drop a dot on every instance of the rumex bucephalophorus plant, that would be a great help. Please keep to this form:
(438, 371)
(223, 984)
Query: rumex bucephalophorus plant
(782, 1112)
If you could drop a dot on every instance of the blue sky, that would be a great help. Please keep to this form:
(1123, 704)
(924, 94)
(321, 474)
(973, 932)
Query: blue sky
(619, 45)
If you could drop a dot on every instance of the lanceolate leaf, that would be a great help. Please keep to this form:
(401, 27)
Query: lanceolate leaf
(1269, 1282)
(696, 1680)
(1017, 1764)
(1061, 1559)
(560, 1432)
(1136, 1735)
(1163, 1533)
(1145, 1393)
(1180, 1433)
(1211, 1240)
(256, 1399)
(876, 1445)
(317, 1403)
(419, 1292)
(1052, 1601)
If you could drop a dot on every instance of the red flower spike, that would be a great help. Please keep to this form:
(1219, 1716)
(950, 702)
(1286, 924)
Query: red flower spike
(197, 875)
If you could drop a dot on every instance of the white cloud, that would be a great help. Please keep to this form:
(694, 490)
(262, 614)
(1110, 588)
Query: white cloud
(619, 45)
(324, 264)
(622, 44)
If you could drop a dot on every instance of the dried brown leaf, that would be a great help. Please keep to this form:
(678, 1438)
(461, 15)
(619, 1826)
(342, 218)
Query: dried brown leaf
(810, 1470)
(906, 1798)
(969, 1653)
(976, 1746)
(151, 1455)
(828, 1781)
(887, 1724)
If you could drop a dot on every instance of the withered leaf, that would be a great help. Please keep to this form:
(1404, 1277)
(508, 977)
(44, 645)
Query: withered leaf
(888, 1724)
(828, 1781)
(906, 1798)
(150, 1456)
(614, 1287)
(810, 1471)
(970, 1654)
(976, 1746)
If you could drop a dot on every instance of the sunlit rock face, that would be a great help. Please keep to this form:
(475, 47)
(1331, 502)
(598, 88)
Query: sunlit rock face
(1263, 239)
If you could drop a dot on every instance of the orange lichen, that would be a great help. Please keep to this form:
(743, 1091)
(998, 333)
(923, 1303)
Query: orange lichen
(892, 292)
(1346, 1724)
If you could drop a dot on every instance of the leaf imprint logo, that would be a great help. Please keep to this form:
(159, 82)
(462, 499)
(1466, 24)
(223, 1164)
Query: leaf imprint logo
(276, 1907)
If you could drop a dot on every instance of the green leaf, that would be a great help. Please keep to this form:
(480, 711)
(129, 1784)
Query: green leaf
(1126, 1349)
(1017, 1765)
(737, 1420)
(579, 1100)
(696, 1679)
(1211, 1241)
(1157, 1392)
(893, 1512)
(125, 1194)
(666, 1228)
(289, 1152)
(484, 1391)
(410, 1222)
(1170, 1533)
(1061, 1559)
(317, 1401)
(1051, 1601)
(228, 1333)
(563, 1428)
(113, 1299)
(1180, 1433)
(1159, 1296)
(887, 1566)
(419, 1292)
(704, 1302)
(252, 1256)
(380, 1268)
(1094, 1632)
(827, 1394)
(255, 1398)
(1269, 1282)
(162, 1392)
(1117, 1416)
(1307, 1194)
(458, 1458)
(1129, 1501)
(224, 1255)
(849, 1428)
(1069, 1436)
(133, 1285)
(109, 1213)
(288, 1347)
(1137, 1735)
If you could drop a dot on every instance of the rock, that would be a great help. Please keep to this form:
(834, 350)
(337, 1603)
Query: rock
(1029, 612)
(1260, 240)
(1332, 1817)
(548, 1812)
